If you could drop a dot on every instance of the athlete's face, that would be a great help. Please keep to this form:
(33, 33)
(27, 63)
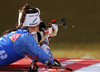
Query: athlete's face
(34, 28)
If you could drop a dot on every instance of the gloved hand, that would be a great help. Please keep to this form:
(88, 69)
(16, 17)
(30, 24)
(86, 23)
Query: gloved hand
(55, 27)
(55, 30)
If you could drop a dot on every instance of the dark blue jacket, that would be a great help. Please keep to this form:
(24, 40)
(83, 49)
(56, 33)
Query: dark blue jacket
(16, 44)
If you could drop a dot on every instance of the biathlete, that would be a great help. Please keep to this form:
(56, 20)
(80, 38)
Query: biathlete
(17, 43)
(42, 34)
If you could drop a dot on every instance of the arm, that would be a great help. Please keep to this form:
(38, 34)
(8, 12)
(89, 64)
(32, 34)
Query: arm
(33, 49)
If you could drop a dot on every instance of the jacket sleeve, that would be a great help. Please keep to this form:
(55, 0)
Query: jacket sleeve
(32, 48)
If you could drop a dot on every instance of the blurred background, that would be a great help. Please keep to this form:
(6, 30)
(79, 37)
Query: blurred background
(81, 39)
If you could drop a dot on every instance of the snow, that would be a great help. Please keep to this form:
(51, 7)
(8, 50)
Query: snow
(91, 68)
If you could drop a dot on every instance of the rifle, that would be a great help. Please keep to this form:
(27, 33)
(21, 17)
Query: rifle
(61, 23)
